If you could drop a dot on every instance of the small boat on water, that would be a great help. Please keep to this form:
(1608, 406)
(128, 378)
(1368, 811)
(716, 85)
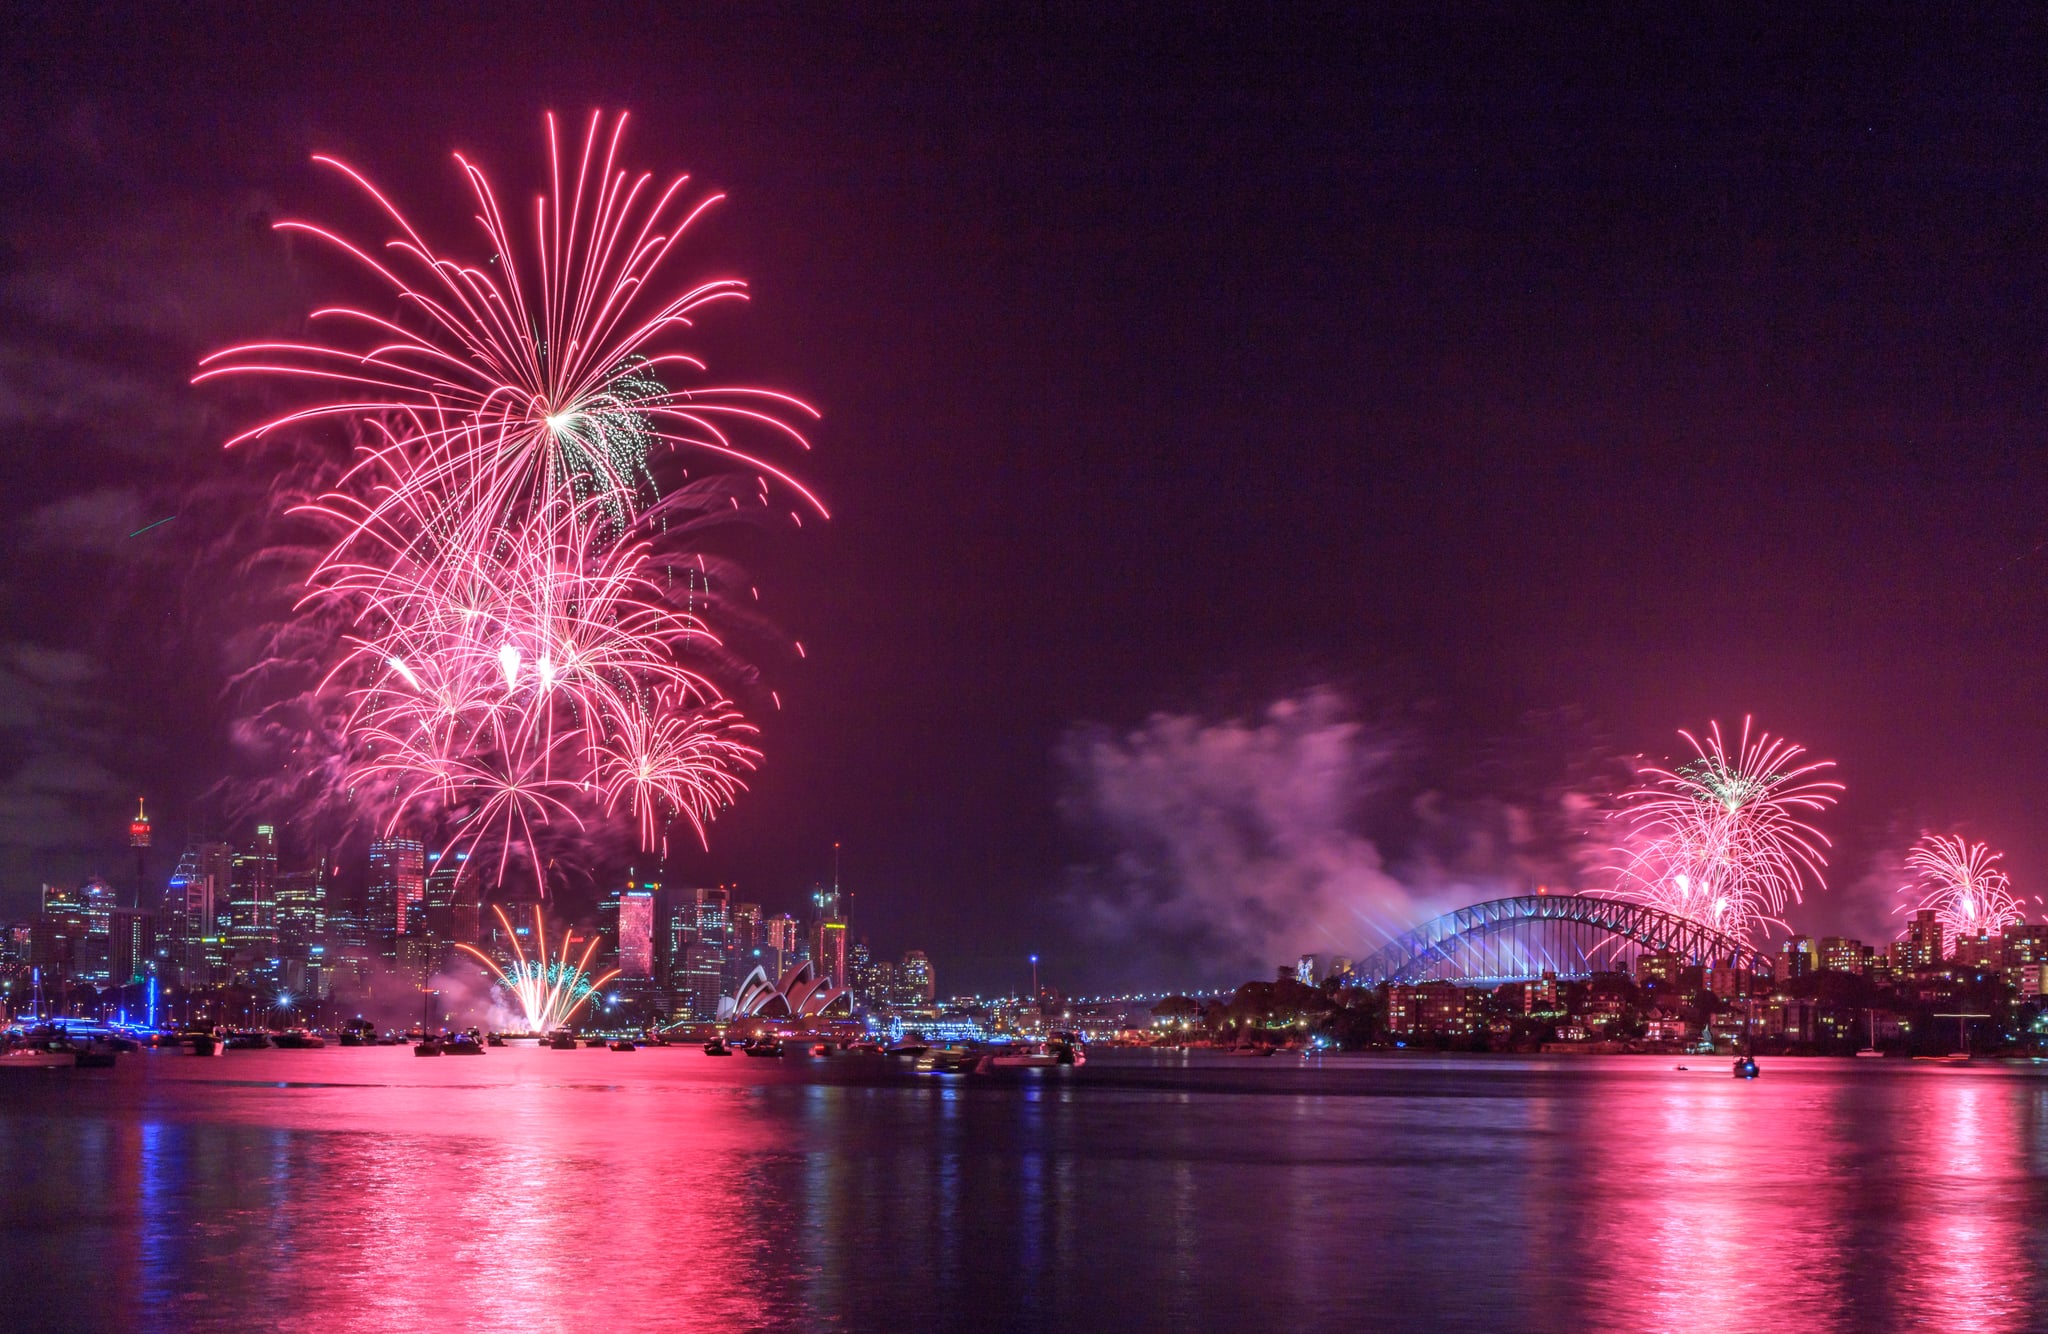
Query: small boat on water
(1745, 1067)
(717, 1047)
(821, 1049)
(908, 1050)
(623, 1044)
(427, 1048)
(763, 1048)
(947, 1061)
(596, 1042)
(462, 1044)
(495, 1040)
(248, 1039)
(298, 1039)
(1022, 1057)
(43, 1051)
(561, 1040)
(94, 1056)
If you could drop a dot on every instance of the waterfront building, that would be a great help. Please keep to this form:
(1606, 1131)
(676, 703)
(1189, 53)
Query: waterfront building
(1434, 1009)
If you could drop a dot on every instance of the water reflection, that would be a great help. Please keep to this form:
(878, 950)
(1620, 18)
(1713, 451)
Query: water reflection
(352, 1191)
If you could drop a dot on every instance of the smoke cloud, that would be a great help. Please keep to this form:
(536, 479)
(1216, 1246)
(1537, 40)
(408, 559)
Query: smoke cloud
(1228, 845)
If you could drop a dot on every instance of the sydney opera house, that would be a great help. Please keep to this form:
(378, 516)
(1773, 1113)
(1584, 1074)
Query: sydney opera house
(799, 994)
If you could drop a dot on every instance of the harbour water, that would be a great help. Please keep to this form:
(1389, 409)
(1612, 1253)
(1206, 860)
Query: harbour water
(367, 1190)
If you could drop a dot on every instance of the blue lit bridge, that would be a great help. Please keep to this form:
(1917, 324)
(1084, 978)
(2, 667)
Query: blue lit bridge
(1572, 935)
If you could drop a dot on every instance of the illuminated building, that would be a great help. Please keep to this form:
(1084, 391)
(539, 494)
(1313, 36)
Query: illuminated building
(1306, 971)
(1977, 950)
(397, 888)
(198, 902)
(57, 936)
(779, 941)
(1434, 1009)
(452, 899)
(1839, 954)
(1924, 942)
(1540, 996)
(914, 979)
(252, 909)
(798, 994)
(2025, 950)
(636, 934)
(131, 941)
(1795, 958)
(91, 957)
(139, 836)
(1659, 968)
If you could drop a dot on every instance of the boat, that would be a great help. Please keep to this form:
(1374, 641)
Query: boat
(1251, 1051)
(763, 1047)
(39, 1053)
(1022, 1058)
(427, 1048)
(495, 1040)
(717, 1047)
(462, 1044)
(1066, 1049)
(909, 1050)
(248, 1040)
(1681, 1067)
(821, 1049)
(94, 1056)
(947, 1061)
(1953, 1058)
(623, 1044)
(1745, 1067)
(596, 1042)
(298, 1039)
(1871, 1050)
(562, 1040)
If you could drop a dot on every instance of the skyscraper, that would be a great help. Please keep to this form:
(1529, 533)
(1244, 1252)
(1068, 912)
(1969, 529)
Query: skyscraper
(253, 906)
(197, 902)
(1924, 940)
(915, 977)
(397, 889)
(636, 934)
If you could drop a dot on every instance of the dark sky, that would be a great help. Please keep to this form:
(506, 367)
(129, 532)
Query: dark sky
(1649, 368)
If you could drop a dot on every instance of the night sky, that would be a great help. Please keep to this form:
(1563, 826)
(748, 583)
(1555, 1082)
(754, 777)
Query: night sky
(1510, 391)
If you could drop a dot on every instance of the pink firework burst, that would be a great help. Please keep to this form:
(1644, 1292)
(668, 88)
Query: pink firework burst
(1969, 895)
(507, 543)
(1723, 839)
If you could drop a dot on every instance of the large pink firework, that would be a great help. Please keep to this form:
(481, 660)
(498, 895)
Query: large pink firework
(507, 556)
(1968, 894)
(1723, 839)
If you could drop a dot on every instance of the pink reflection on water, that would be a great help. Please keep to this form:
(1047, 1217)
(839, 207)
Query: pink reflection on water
(530, 1189)
(1962, 1217)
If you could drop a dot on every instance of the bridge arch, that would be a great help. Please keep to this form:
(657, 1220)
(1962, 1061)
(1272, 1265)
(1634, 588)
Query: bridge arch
(1517, 939)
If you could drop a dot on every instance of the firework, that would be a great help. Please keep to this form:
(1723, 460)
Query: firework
(509, 550)
(1956, 879)
(549, 991)
(1723, 839)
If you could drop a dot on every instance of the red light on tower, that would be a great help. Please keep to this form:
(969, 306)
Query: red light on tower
(138, 828)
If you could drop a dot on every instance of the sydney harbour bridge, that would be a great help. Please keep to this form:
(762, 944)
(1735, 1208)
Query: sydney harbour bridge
(1571, 935)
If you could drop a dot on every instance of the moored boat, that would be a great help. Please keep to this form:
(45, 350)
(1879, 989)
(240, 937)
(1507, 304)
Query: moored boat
(623, 1044)
(717, 1047)
(763, 1047)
